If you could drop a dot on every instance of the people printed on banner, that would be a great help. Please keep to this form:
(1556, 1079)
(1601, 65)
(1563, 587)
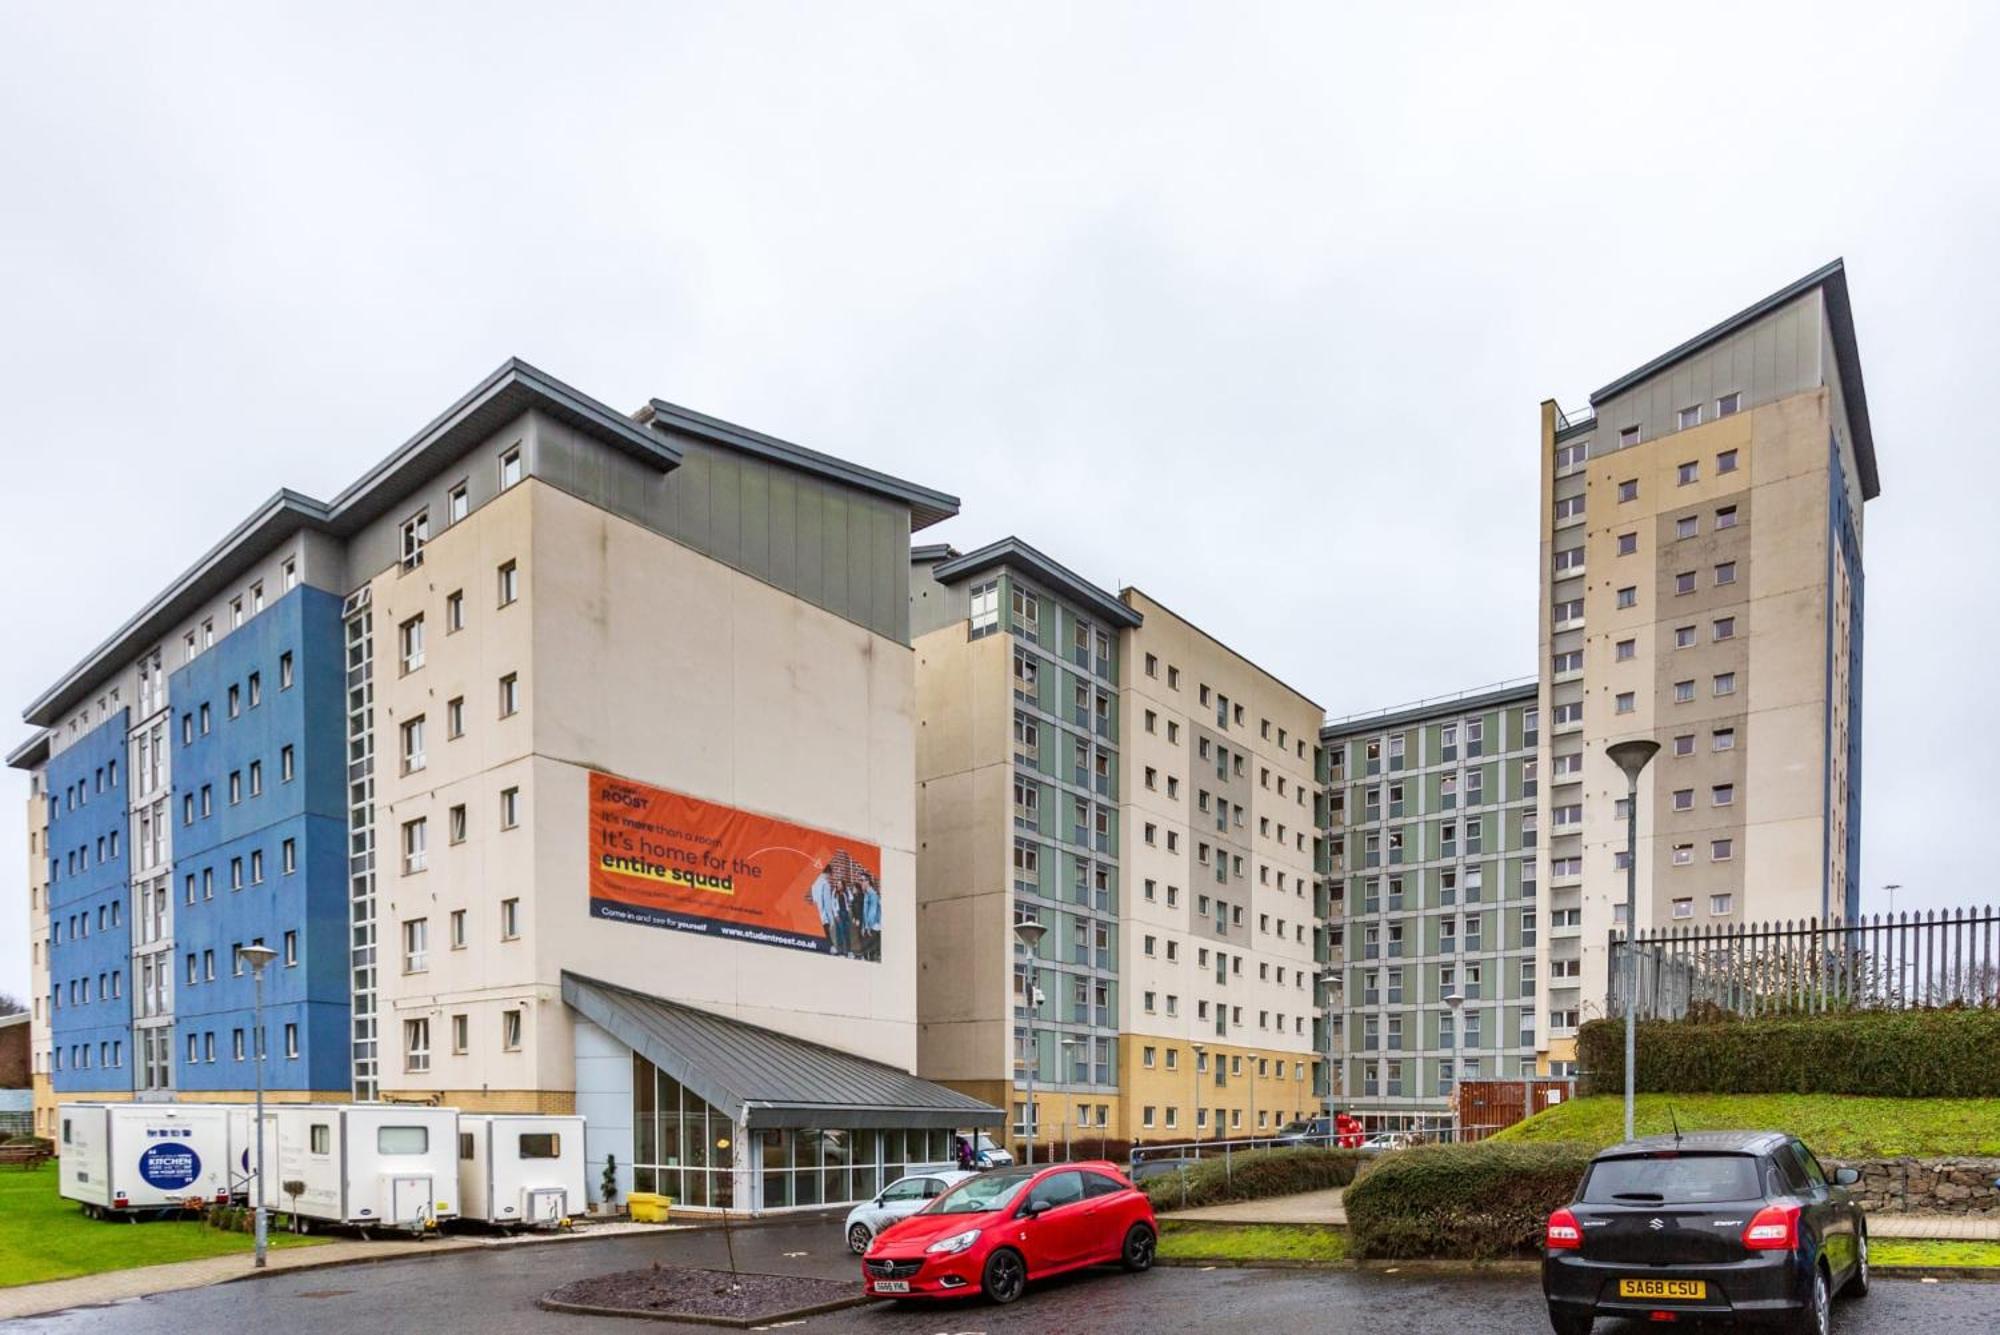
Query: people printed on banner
(849, 904)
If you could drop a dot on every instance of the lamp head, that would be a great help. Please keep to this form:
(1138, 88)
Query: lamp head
(1631, 756)
(1029, 934)
(256, 956)
(1453, 1000)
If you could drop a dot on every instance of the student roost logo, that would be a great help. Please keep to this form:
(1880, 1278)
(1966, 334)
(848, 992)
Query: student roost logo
(170, 1166)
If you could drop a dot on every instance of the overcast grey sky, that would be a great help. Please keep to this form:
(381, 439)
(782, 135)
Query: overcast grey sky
(1251, 306)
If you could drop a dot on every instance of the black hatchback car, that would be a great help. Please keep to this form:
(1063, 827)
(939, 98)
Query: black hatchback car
(1739, 1224)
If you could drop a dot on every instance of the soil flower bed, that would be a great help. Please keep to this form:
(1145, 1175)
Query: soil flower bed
(715, 1297)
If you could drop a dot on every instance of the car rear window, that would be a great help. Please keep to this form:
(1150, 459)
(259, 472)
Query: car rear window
(1672, 1179)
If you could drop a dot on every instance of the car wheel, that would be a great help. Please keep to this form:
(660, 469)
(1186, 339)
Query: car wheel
(1857, 1283)
(1571, 1323)
(1817, 1319)
(858, 1239)
(1005, 1276)
(1139, 1246)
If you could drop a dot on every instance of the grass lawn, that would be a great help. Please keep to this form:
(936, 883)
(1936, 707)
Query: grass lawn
(1833, 1125)
(43, 1236)
(1932, 1251)
(1189, 1241)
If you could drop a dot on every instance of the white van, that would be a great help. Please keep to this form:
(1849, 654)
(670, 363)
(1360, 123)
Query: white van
(379, 1165)
(520, 1169)
(121, 1158)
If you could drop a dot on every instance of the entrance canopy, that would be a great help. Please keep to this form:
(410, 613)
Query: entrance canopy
(767, 1079)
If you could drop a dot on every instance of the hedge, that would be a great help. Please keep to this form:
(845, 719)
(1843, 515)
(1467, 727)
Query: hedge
(1916, 1054)
(1483, 1201)
(1253, 1175)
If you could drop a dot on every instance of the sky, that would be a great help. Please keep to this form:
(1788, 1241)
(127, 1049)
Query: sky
(1250, 306)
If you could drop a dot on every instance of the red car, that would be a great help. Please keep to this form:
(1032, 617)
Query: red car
(993, 1233)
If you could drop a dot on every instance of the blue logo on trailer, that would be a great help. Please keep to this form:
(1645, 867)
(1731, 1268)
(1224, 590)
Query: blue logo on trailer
(170, 1166)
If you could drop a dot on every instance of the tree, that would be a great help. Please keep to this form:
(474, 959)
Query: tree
(9, 1005)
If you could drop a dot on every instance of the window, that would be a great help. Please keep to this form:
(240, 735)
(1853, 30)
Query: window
(1690, 416)
(1725, 517)
(510, 919)
(454, 718)
(1724, 739)
(509, 582)
(1628, 544)
(415, 533)
(454, 612)
(1725, 573)
(1721, 850)
(1684, 799)
(1628, 490)
(1725, 462)
(1727, 405)
(510, 1030)
(1569, 507)
(1568, 661)
(1569, 456)
(510, 808)
(286, 764)
(1625, 702)
(1684, 582)
(1683, 692)
(1687, 526)
(1724, 628)
(1626, 649)
(461, 1035)
(1720, 905)
(1687, 473)
(255, 683)
(510, 695)
(292, 1040)
(1723, 795)
(413, 744)
(291, 951)
(291, 572)
(411, 637)
(510, 468)
(1684, 744)
(285, 676)
(1683, 908)
(455, 824)
(416, 945)
(1683, 854)
(1628, 596)
(235, 701)
(1628, 437)
(414, 841)
(457, 505)
(1684, 637)
(1568, 559)
(416, 1057)
(1568, 610)
(204, 718)
(1725, 683)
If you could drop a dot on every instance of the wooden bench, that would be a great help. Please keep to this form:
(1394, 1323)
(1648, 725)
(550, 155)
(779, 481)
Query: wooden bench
(25, 1156)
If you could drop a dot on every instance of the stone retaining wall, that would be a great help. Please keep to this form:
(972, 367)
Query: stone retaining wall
(1926, 1186)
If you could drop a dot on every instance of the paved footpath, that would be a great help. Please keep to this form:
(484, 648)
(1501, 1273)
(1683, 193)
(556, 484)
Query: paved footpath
(119, 1285)
(1324, 1207)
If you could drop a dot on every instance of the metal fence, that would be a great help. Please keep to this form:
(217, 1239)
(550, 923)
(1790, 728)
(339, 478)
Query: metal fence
(1907, 961)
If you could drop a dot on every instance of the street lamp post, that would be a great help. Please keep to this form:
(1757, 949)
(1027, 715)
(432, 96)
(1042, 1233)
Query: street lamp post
(1029, 934)
(257, 956)
(1892, 887)
(1199, 1048)
(1456, 1001)
(1331, 977)
(1631, 757)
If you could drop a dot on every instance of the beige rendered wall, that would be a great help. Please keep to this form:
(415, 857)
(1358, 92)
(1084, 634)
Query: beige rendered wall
(37, 999)
(964, 851)
(641, 658)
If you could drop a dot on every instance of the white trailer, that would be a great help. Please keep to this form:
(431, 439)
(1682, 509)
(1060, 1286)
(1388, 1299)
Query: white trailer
(122, 1158)
(370, 1165)
(520, 1169)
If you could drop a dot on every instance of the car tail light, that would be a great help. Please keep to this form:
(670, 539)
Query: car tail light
(1564, 1232)
(1775, 1228)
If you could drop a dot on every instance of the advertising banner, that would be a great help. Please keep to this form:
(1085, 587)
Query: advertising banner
(664, 859)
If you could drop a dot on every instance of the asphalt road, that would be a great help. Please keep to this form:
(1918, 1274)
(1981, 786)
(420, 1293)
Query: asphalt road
(493, 1292)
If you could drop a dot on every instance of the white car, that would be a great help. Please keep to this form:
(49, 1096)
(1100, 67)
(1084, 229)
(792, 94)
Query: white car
(986, 1154)
(899, 1200)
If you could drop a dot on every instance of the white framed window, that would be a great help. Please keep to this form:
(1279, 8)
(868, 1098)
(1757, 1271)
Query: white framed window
(510, 1030)
(1721, 850)
(461, 1034)
(1683, 692)
(1628, 490)
(1725, 517)
(1683, 854)
(1687, 474)
(1690, 416)
(508, 581)
(456, 926)
(417, 1045)
(1628, 544)
(1722, 795)
(1726, 462)
(510, 808)
(510, 695)
(1721, 905)
(1684, 744)
(1725, 572)
(1684, 908)
(1684, 799)
(983, 609)
(454, 718)
(413, 744)
(415, 846)
(410, 638)
(1625, 702)
(457, 505)
(291, 573)
(1628, 437)
(1725, 683)
(1687, 526)
(1684, 637)
(1569, 507)
(1625, 650)
(1723, 739)
(1628, 596)
(510, 467)
(455, 824)
(416, 945)
(415, 533)
(510, 919)
(1728, 404)
(454, 612)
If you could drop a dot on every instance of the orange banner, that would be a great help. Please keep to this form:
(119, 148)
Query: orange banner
(665, 859)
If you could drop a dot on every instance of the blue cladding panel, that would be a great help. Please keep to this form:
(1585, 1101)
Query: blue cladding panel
(90, 951)
(1848, 539)
(214, 914)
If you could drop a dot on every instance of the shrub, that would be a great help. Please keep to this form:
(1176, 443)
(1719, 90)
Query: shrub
(1253, 1175)
(1915, 1054)
(1482, 1201)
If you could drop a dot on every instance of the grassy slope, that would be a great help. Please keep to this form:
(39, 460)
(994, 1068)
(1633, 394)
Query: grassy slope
(43, 1236)
(1929, 1251)
(1833, 1125)
(1190, 1241)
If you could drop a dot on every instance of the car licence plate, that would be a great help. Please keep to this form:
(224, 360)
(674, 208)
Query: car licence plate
(892, 1286)
(1662, 1288)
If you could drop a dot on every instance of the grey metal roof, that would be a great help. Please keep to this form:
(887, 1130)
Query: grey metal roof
(926, 552)
(1011, 551)
(31, 752)
(1520, 691)
(1847, 356)
(767, 1079)
(509, 391)
(927, 507)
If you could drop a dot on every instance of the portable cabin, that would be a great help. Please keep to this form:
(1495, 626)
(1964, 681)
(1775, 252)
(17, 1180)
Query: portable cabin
(124, 1158)
(380, 1165)
(521, 1170)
